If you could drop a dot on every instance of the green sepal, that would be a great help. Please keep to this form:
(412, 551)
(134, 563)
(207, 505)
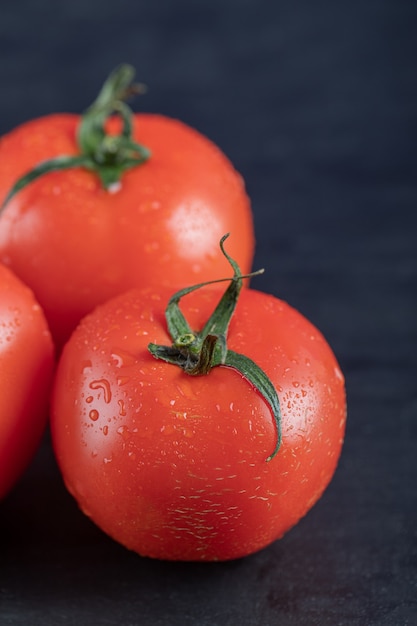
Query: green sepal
(257, 377)
(53, 165)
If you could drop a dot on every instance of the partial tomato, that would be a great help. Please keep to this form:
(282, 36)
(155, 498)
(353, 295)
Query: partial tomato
(26, 369)
(175, 466)
(137, 200)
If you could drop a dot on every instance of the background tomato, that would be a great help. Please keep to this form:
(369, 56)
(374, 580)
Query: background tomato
(77, 244)
(174, 466)
(26, 368)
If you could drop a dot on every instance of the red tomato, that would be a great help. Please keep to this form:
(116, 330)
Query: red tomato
(26, 369)
(175, 466)
(76, 244)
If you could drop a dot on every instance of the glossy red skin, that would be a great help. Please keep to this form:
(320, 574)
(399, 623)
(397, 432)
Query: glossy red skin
(173, 466)
(76, 245)
(26, 369)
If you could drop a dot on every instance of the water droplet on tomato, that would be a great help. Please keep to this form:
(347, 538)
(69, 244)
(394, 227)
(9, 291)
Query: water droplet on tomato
(86, 367)
(105, 430)
(122, 358)
(123, 431)
(122, 409)
(104, 385)
(167, 429)
(89, 399)
(116, 357)
(186, 389)
(93, 415)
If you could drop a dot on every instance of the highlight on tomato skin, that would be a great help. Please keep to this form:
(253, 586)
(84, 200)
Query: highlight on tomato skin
(174, 466)
(77, 239)
(27, 364)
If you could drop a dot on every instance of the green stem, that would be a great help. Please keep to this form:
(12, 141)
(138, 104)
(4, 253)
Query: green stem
(109, 156)
(198, 352)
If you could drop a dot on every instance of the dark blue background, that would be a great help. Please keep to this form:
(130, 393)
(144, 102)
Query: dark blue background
(316, 105)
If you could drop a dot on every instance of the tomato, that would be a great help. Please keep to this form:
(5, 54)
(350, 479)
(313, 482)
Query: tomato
(183, 467)
(80, 235)
(26, 369)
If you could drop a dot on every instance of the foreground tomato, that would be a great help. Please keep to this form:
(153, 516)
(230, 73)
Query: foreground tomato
(186, 467)
(26, 368)
(111, 214)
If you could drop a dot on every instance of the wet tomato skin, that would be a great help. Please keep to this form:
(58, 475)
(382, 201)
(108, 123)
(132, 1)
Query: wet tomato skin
(76, 244)
(26, 370)
(174, 466)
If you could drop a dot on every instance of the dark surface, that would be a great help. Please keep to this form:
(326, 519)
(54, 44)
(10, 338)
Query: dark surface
(316, 105)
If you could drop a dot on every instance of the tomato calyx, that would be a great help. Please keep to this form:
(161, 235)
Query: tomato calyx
(108, 155)
(111, 155)
(198, 352)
